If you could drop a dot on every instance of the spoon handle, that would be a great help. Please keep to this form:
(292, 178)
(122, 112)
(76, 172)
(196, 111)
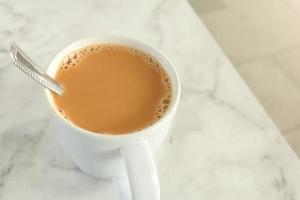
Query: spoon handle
(22, 61)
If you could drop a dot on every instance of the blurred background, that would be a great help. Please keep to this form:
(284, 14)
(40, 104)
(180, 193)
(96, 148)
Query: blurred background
(262, 40)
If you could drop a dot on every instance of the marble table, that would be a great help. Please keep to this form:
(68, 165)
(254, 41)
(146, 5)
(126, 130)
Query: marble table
(222, 144)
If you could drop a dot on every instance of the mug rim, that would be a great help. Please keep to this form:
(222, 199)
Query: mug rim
(98, 40)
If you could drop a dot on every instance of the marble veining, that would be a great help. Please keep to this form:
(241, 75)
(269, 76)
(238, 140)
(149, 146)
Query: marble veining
(222, 144)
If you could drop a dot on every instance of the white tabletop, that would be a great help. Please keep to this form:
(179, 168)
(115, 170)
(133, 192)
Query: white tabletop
(222, 144)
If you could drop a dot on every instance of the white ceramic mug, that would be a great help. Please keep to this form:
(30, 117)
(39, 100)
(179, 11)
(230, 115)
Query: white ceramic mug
(125, 159)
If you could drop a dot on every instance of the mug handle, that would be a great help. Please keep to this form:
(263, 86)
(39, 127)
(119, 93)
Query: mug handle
(141, 171)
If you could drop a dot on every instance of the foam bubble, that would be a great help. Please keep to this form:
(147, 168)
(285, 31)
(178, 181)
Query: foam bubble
(73, 55)
(67, 60)
(166, 101)
(132, 51)
(62, 113)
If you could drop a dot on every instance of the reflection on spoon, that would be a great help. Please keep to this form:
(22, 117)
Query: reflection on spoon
(21, 60)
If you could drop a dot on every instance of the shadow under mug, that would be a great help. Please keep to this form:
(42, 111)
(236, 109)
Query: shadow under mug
(125, 159)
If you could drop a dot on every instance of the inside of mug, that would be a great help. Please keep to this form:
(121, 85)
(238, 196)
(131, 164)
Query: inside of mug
(53, 67)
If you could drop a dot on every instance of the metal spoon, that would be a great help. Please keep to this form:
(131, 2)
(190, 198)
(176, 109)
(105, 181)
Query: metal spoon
(21, 60)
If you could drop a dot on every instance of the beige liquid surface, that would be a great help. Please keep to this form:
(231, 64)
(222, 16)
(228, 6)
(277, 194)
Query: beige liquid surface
(112, 89)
